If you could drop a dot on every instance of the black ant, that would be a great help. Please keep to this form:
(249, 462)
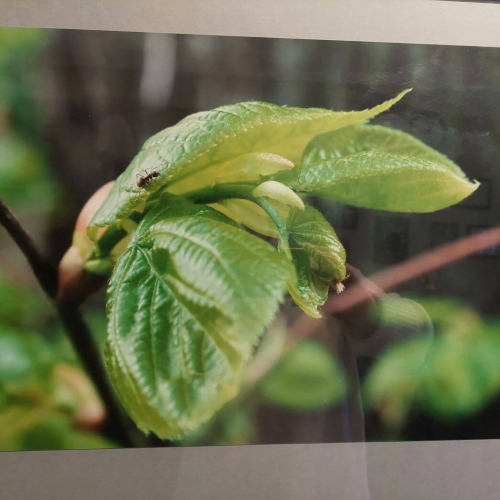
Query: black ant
(144, 180)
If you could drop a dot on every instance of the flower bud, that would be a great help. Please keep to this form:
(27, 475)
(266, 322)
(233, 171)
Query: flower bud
(75, 284)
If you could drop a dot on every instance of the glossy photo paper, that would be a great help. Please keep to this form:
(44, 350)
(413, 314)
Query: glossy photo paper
(239, 241)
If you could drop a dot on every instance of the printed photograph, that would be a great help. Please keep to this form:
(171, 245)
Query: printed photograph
(226, 241)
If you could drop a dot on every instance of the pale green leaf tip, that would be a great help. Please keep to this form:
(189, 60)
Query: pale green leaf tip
(401, 95)
(469, 187)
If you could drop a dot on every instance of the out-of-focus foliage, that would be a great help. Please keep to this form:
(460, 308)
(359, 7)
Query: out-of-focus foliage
(19, 56)
(46, 400)
(25, 182)
(24, 427)
(454, 376)
(307, 379)
(19, 305)
(43, 401)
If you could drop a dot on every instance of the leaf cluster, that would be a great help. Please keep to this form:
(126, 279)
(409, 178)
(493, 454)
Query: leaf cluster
(191, 291)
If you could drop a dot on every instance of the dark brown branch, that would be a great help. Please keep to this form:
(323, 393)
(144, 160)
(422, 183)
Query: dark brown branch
(44, 271)
(118, 427)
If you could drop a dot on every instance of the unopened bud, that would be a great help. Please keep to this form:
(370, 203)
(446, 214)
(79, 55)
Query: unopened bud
(279, 192)
(75, 284)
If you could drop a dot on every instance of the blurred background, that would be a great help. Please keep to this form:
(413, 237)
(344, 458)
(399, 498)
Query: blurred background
(76, 106)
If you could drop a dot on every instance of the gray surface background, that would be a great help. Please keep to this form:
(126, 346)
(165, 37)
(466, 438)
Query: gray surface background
(376, 471)
(405, 21)
(406, 471)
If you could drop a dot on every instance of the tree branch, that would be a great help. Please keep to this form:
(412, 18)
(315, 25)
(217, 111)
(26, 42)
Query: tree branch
(117, 427)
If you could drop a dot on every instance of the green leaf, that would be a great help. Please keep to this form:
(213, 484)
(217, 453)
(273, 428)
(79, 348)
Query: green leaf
(209, 138)
(380, 168)
(317, 255)
(75, 439)
(187, 301)
(308, 379)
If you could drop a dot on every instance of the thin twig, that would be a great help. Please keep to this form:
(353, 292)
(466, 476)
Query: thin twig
(117, 426)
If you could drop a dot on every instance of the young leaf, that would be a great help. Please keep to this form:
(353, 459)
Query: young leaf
(308, 379)
(317, 255)
(204, 139)
(242, 168)
(379, 168)
(187, 301)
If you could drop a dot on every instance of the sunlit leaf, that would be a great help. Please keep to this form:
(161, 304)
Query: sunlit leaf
(380, 168)
(243, 168)
(214, 137)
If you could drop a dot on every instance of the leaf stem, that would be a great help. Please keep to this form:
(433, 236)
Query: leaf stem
(219, 192)
(268, 207)
(76, 327)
